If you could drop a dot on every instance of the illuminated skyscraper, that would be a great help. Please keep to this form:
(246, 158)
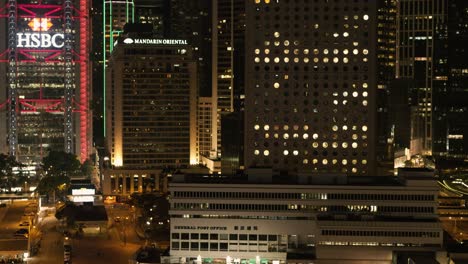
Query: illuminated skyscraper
(417, 23)
(310, 86)
(228, 62)
(151, 104)
(115, 15)
(47, 85)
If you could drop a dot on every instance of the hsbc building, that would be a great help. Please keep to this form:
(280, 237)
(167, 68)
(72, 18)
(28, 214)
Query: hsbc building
(44, 83)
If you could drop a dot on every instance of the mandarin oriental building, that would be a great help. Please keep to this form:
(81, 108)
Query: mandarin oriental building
(44, 86)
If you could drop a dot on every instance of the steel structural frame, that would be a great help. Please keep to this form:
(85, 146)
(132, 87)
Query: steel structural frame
(68, 104)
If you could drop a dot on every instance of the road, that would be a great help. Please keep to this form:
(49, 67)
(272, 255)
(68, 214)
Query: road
(51, 250)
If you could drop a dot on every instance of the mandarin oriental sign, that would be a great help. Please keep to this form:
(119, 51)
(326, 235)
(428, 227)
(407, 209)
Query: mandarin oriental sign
(40, 38)
(156, 41)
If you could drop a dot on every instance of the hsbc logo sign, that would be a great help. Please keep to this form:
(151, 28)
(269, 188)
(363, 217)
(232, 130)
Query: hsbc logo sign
(39, 38)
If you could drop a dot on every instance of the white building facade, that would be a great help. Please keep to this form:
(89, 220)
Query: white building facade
(275, 223)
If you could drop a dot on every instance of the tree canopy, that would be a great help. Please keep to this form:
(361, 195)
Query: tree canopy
(7, 176)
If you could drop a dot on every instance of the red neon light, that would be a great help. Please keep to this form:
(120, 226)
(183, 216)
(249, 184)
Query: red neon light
(4, 56)
(5, 103)
(32, 14)
(49, 58)
(84, 122)
(34, 105)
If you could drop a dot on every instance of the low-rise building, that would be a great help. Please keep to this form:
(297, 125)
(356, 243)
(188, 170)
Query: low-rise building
(227, 219)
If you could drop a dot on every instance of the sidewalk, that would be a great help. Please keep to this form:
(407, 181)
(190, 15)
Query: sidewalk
(51, 250)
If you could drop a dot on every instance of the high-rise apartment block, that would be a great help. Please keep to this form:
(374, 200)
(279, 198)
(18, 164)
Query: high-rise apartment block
(45, 87)
(310, 85)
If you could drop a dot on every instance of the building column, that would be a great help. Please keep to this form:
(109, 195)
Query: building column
(156, 182)
(124, 184)
(132, 184)
(116, 182)
(140, 183)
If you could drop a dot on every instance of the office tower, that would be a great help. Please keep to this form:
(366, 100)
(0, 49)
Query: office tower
(204, 126)
(47, 85)
(151, 104)
(191, 20)
(155, 13)
(417, 23)
(450, 79)
(232, 160)
(115, 14)
(227, 61)
(386, 58)
(310, 86)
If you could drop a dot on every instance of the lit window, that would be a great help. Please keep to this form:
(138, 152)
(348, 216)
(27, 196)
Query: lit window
(315, 161)
(306, 60)
(344, 162)
(345, 93)
(276, 34)
(306, 51)
(295, 152)
(276, 60)
(266, 127)
(295, 135)
(364, 162)
(345, 51)
(267, 51)
(365, 17)
(286, 42)
(257, 51)
(285, 153)
(325, 60)
(325, 51)
(345, 34)
(305, 161)
(334, 144)
(257, 59)
(325, 145)
(345, 60)
(285, 127)
(266, 152)
(364, 128)
(306, 127)
(286, 59)
(354, 145)
(316, 51)
(364, 103)
(355, 51)
(335, 60)
(324, 161)
(365, 51)
(256, 127)
(276, 85)
(345, 127)
(315, 136)
(344, 145)
(364, 85)
(364, 94)
(267, 60)
(315, 145)
(285, 135)
(305, 136)
(355, 94)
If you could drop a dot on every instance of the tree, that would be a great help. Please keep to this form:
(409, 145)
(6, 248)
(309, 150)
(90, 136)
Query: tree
(87, 168)
(8, 178)
(59, 163)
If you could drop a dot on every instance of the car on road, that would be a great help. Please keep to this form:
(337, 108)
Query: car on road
(24, 223)
(23, 232)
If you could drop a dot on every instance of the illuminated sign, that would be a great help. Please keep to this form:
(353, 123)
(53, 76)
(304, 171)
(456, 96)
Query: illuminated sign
(83, 199)
(40, 39)
(156, 41)
(83, 191)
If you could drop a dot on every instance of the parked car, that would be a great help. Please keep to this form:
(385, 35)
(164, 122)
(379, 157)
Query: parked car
(23, 232)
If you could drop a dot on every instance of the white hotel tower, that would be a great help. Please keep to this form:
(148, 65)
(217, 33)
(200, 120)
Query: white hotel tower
(310, 82)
